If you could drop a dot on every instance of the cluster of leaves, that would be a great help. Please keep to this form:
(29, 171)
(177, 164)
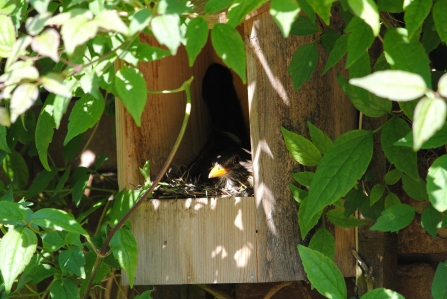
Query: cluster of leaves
(342, 179)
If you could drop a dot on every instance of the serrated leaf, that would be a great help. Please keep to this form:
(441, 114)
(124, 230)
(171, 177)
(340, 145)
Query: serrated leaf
(416, 189)
(337, 53)
(196, 37)
(403, 158)
(17, 247)
(415, 13)
(392, 176)
(394, 85)
(55, 84)
(53, 241)
(407, 55)
(360, 39)
(305, 227)
(442, 85)
(323, 241)
(394, 218)
(338, 217)
(391, 199)
(110, 20)
(124, 248)
(436, 183)
(72, 260)
(439, 287)
(300, 148)
(303, 177)
(10, 212)
(7, 35)
(58, 220)
(437, 140)
(322, 8)
(240, 9)
(440, 18)
(430, 220)
(304, 26)
(213, 6)
(166, 29)
(303, 64)
(34, 25)
(229, 46)
(47, 44)
(367, 11)
(319, 139)
(17, 50)
(343, 164)
(22, 99)
(322, 273)
(376, 193)
(382, 293)
(139, 21)
(131, 88)
(41, 181)
(284, 13)
(64, 288)
(298, 194)
(429, 117)
(85, 114)
(147, 53)
(78, 30)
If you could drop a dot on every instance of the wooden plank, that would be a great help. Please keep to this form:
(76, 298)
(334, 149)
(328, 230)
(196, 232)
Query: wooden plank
(273, 103)
(196, 241)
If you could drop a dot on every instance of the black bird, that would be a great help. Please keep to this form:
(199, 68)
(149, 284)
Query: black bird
(228, 161)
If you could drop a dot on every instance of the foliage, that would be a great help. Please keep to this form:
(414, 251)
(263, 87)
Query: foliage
(54, 53)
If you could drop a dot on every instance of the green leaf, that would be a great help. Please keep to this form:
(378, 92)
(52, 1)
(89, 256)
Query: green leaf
(439, 287)
(300, 148)
(64, 288)
(41, 181)
(415, 13)
(124, 248)
(322, 8)
(139, 21)
(308, 10)
(394, 218)
(213, 6)
(367, 11)
(147, 53)
(360, 39)
(78, 30)
(284, 13)
(124, 201)
(72, 261)
(41, 6)
(440, 18)
(323, 274)
(430, 38)
(376, 193)
(58, 220)
(323, 241)
(229, 46)
(47, 44)
(240, 9)
(144, 295)
(429, 117)
(416, 189)
(196, 37)
(3, 143)
(407, 54)
(111, 21)
(338, 51)
(16, 169)
(430, 219)
(303, 64)
(298, 194)
(343, 164)
(79, 188)
(53, 241)
(131, 88)
(354, 200)
(303, 177)
(166, 29)
(403, 158)
(382, 293)
(305, 227)
(338, 217)
(442, 85)
(391, 5)
(17, 50)
(22, 99)
(17, 247)
(55, 84)
(391, 199)
(44, 133)
(436, 183)
(304, 26)
(437, 140)
(319, 139)
(7, 35)
(85, 114)
(392, 176)
(394, 85)
(11, 212)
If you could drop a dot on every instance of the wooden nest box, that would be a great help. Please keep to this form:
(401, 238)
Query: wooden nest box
(230, 240)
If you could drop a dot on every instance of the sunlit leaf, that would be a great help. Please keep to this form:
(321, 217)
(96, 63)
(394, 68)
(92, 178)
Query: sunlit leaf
(439, 287)
(55, 84)
(125, 250)
(240, 8)
(47, 44)
(76, 31)
(196, 37)
(436, 183)
(367, 10)
(166, 29)
(22, 99)
(58, 220)
(7, 35)
(17, 50)
(415, 13)
(110, 20)
(301, 149)
(284, 13)
(322, 8)
(382, 293)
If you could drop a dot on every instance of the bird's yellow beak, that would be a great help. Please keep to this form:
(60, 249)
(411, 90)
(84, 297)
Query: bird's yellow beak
(217, 171)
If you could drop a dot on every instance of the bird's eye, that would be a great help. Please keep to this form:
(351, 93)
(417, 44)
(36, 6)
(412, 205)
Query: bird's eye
(236, 160)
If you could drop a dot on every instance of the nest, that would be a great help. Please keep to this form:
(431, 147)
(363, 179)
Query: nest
(178, 183)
